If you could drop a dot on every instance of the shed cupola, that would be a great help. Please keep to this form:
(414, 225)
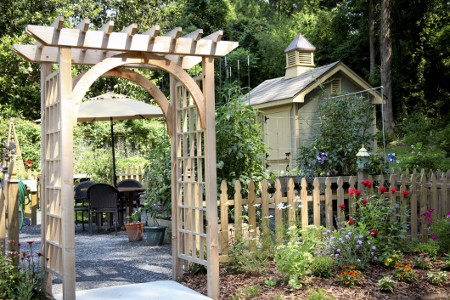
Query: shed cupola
(299, 57)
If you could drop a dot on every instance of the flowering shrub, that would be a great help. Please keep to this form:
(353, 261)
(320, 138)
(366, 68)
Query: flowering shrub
(349, 246)
(423, 261)
(437, 278)
(404, 272)
(390, 258)
(25, 280)
(440, 230)
(350, 276)
(374, 214)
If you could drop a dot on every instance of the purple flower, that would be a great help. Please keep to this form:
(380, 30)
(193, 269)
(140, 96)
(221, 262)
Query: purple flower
(322, 157)
(434, 237)
(448, 214)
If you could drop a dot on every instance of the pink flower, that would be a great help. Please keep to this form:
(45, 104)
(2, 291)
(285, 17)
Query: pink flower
(448, 214)
(434, 237)
(351, 191)
(358, 192)
(363, 201)
(342, 206)
(405, 193)
(393, 189)
(382, 189)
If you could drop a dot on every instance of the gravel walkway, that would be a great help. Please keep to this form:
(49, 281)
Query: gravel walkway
(106, 259)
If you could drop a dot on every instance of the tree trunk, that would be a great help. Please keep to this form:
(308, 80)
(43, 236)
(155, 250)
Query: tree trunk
(386, 65)
(372, 40)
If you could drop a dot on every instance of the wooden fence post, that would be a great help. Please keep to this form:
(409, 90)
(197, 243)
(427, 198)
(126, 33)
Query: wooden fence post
(328, 204)
(290, 202)
(316, 201)
(304, 202)
(224, 238)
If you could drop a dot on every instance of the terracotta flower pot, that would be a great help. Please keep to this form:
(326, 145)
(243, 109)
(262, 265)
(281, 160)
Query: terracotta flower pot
(135, 231)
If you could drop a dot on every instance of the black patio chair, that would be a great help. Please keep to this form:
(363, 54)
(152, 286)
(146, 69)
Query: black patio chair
(103, 198)
(81, 200)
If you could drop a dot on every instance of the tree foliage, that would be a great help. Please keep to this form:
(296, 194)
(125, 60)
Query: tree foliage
(240, 148)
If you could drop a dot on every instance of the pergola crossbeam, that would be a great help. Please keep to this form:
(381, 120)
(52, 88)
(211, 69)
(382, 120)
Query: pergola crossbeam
(97, 45)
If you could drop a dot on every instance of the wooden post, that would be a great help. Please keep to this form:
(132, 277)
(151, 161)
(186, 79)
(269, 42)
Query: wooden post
(13, 218)
(211, 177)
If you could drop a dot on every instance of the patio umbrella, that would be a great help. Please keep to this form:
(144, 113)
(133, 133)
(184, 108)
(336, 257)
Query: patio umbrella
(110, 107)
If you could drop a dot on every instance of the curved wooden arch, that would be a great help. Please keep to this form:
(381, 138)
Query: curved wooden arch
(87, 79)
(150, 87)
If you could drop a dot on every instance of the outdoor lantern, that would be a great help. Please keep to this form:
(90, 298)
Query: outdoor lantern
(362, 158)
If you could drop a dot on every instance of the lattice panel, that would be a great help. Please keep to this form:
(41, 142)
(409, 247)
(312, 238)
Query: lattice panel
(190, 188)
(51, 185)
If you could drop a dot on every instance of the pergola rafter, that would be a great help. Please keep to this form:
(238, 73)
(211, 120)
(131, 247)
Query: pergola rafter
(92, 46)
(190, 117)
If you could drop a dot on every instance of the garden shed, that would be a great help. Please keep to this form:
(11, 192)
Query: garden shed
(289, 104)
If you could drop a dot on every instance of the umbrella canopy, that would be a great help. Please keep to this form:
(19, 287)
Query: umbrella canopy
(109, 107)
(117, 107)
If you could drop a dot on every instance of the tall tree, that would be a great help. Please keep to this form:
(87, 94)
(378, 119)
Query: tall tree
(386, 65)
(372, 40)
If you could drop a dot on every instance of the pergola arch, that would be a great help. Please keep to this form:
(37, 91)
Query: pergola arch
(88, 78)
(190, 115)
(144, 83)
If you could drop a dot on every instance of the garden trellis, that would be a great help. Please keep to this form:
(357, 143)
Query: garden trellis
(114, 54)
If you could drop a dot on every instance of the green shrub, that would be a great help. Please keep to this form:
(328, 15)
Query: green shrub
(319, 294)
(344, 127)
(322, 266)
(440, 229)
(387, 284)
(430, 248)
(293, 258)
(437, 278)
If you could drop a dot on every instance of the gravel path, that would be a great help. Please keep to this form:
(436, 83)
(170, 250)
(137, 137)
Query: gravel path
(106, 259)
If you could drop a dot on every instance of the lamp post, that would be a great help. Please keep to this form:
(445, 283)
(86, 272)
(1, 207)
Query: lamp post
(362, 160)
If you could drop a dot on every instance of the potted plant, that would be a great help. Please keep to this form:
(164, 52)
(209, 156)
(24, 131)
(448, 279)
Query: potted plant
(154, 235)
(135, 227)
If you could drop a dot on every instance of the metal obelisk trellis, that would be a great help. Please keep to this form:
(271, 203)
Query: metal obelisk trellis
(189, 116)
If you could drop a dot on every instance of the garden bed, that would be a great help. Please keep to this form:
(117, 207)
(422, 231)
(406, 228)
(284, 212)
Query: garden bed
(252, 286)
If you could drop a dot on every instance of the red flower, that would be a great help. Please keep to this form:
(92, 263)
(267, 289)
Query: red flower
(373, 232)
(364, 201)
(30, 242)
(382, 189)
(358, 192)
(393, 190)
(366, 182)
(29, 163)
(405, 193)
(342, 206)
(351, 191)
(351, 222)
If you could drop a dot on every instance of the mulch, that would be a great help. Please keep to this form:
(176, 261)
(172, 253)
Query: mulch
(231, 283)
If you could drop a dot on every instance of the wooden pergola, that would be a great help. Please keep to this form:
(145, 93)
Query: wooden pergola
(190, 121)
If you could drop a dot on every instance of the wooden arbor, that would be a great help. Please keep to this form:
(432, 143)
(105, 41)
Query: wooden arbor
(189, 116)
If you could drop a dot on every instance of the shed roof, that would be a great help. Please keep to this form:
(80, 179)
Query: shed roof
(281, 88)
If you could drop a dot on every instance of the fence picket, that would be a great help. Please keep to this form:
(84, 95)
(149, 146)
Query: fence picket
(413, 194)
(316, 201)
(278, 212)
(252, 227)
(224, 218)
(304, 203)
(291, 203)
(328, 203)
